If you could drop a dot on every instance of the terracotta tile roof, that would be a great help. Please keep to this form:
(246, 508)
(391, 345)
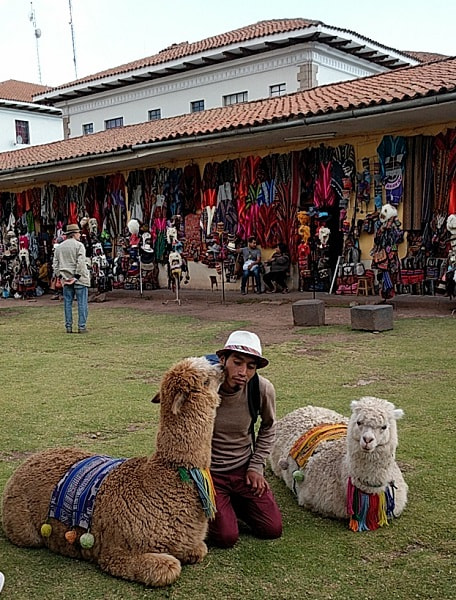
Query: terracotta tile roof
(238, 36)
(425, 56)
(20, 90)
(405, 84)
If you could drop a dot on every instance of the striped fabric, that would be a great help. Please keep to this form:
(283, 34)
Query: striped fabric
(306, 445)
(73, 498)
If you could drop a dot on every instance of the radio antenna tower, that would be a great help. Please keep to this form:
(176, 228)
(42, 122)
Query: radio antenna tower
(32, 18)
(72, 39)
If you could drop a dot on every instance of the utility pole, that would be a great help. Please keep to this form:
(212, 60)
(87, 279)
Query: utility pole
(32, 18)
(72, 39)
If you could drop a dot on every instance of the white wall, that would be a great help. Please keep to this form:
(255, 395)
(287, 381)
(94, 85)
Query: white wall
(43, 128)
(174, 94)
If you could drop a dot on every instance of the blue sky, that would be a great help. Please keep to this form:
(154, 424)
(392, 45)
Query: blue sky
(108, 33)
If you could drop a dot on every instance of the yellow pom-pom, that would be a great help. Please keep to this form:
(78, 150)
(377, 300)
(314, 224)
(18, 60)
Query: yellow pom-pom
(46, 530)
(87, 540)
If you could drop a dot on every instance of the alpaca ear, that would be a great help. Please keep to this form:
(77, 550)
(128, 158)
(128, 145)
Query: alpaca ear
(354, 404)
(398, 413)
(177, 403)
(156, 398)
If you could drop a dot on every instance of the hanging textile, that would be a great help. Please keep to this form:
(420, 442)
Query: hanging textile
(209, 188)
(150, 195)
(444, 162)
(286, 206)
(324, 194)
(226, 203)
(135, 185)
(173, 191)
(191, 189)
(343, 173)
(418, 185)
(248, 201)
(391, 153)
(267, 215)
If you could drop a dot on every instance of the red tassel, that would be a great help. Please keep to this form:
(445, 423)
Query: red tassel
(372, 513)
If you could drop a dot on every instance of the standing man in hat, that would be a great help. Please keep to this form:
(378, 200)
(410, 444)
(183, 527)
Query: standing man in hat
(70, 265)
(237, 465)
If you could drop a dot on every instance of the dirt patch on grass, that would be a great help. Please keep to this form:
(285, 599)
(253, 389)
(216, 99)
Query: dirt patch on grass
(271, 317)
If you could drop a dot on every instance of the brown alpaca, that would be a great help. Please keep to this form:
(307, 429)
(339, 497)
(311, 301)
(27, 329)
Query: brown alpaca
(146, 520)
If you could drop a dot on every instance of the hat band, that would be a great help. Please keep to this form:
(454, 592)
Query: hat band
(243, 349)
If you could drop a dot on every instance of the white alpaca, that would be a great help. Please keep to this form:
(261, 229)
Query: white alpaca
(356, 466)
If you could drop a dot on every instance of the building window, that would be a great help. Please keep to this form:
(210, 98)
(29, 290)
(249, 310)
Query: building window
(277, 90)
(113, 123)
(22, 132)
(197, 106)
(235, 98)
(87, 128)
(155, 114)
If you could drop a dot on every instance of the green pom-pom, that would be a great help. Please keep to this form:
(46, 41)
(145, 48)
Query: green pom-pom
(87, 540)
(298, 475)
(46, 530)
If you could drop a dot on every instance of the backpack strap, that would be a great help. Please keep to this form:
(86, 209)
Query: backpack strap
(254, 400)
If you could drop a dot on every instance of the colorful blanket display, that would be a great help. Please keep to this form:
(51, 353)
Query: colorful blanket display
(231, 200)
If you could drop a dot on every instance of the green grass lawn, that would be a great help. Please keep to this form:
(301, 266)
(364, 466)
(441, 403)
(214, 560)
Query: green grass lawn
(94, 391)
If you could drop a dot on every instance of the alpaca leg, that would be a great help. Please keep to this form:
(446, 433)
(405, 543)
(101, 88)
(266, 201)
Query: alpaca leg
(400, 492)
(150, 568)
(193, 555)
(20, 522)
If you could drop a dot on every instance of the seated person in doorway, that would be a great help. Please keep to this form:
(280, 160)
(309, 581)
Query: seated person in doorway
(279, 264)
(251, 256)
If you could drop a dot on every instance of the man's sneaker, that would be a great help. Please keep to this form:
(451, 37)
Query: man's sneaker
(82, 330)
(69, 330)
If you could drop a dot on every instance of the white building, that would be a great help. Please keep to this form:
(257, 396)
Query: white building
(23, 121)
(266, 59)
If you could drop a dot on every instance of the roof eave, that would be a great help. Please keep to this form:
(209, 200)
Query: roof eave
(128, 155)
(336, 38)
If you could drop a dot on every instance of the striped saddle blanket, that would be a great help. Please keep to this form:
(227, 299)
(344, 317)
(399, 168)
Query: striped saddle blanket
(73, 498)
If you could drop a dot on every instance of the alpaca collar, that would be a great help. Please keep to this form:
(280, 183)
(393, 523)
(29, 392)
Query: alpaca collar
(368, 512)
(204, 485)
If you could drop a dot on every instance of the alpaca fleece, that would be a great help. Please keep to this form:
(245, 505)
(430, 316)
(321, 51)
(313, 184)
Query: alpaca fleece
(146, 521)
(366, 455)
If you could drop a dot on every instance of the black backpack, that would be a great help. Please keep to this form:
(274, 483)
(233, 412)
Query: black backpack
(253, 396)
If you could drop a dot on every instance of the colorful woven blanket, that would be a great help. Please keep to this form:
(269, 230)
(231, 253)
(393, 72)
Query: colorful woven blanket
(73, 498)
(306, 445)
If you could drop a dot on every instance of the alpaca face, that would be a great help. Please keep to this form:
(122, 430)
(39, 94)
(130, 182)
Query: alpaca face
(373, 424)
(371, 431)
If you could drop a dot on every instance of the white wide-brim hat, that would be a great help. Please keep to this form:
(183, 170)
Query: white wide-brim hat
(245, 342)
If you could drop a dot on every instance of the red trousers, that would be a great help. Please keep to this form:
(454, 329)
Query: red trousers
(235, 500)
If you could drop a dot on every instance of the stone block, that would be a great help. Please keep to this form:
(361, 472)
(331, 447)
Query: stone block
(309, 313)
(372, 317)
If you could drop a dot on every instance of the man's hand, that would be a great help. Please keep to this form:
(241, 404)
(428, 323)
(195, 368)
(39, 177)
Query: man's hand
(257, 482)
